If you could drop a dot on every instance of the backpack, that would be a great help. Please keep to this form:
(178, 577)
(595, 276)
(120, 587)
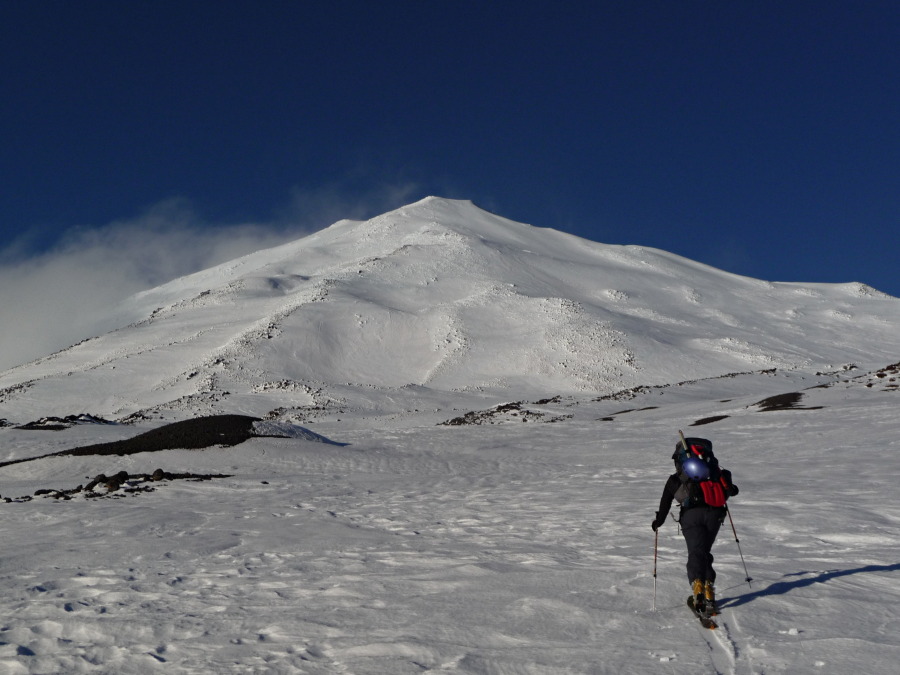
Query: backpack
(702, 481)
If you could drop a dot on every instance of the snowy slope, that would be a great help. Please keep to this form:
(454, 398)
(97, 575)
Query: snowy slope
(443, 295)
(516, 540)
(493, 548)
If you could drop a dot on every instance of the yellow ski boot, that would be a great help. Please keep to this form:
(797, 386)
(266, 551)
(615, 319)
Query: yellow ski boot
(709, 594)
(699, 591)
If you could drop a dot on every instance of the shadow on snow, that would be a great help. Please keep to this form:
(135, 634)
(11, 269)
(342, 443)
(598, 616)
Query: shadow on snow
(782, 587)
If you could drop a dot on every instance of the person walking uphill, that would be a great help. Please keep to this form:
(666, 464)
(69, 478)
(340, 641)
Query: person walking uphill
(701, 488)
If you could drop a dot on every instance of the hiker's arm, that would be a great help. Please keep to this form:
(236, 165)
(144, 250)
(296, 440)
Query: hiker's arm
(665, 502)
(732, 488)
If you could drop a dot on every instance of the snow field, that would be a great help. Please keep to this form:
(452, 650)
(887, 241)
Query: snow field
(488, 549)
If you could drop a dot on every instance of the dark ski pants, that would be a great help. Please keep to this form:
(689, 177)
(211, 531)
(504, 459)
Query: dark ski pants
(700, 525)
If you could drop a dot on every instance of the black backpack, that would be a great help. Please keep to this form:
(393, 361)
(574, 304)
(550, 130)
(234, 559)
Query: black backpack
(712, 491)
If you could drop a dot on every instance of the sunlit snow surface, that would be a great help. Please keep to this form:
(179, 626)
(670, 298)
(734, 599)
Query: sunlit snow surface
(404, 545)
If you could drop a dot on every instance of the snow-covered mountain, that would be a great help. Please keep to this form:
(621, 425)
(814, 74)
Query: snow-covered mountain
(368, 500)
(445, 296)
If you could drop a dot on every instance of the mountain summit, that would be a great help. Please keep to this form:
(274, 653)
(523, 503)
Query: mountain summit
(443, 295)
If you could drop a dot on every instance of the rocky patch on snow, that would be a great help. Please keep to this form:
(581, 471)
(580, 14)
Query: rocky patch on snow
(888, 378)
(118, 485)
(788, 401)
(60, 423)
(306, 413)
(709, 420)
(508, 412)
(9, 393)
(634, 392)
(610, 418)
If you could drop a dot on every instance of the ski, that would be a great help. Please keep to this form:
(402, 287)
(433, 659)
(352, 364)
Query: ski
(705, 621)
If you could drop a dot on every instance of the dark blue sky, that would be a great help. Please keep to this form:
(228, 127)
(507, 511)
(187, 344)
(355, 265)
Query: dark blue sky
(759, 137)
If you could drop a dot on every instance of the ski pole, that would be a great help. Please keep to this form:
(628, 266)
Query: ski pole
(738, 541)
(655, 548)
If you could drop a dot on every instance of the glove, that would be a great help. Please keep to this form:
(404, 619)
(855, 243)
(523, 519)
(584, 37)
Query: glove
(733, 490)
(657, 523)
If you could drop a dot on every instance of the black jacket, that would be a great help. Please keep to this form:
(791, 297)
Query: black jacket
(665, 502)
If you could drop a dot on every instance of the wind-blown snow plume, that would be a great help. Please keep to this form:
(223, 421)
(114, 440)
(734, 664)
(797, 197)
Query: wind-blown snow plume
(63, 295)
(54, 298)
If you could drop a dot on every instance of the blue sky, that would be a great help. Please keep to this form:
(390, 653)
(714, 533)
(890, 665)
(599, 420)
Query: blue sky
(759, 137)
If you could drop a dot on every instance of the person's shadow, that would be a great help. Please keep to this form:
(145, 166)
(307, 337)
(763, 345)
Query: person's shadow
(782, 587)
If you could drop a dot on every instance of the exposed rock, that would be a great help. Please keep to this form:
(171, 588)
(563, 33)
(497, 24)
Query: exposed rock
(120, 483)
(709, 420)
(60, 423)
(506, 412)
(788, 401)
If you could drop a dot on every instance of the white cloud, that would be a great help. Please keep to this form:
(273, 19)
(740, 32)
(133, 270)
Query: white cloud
(55, 299)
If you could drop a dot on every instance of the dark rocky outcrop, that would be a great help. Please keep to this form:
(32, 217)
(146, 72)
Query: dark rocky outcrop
(201, 432)
(789, 401)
